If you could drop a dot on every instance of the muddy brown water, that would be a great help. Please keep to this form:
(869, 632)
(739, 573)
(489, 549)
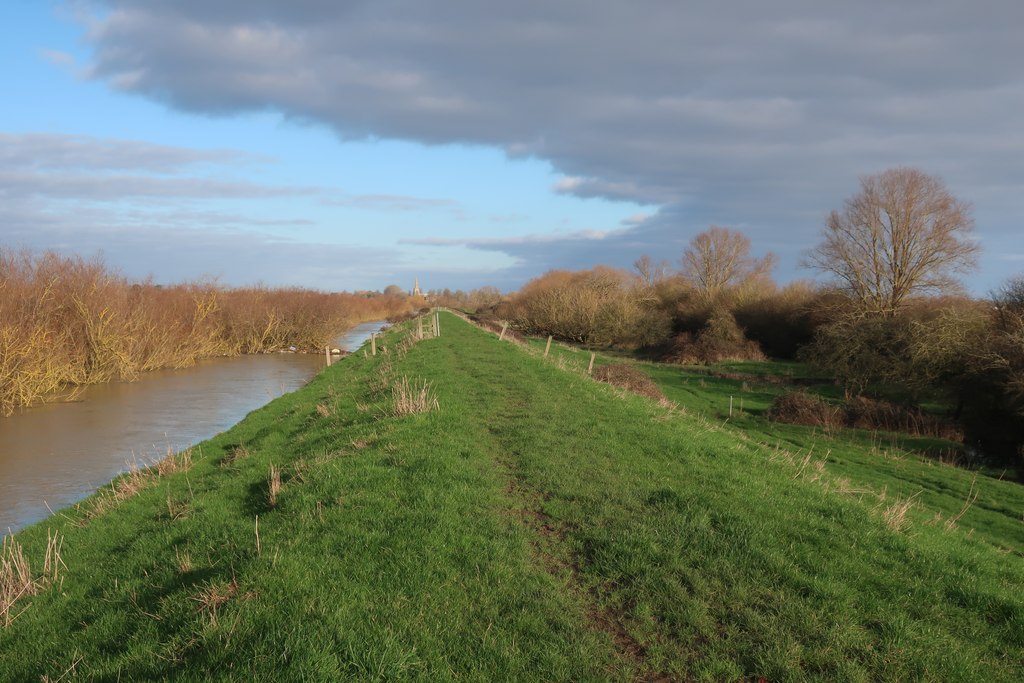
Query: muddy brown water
(53, 455)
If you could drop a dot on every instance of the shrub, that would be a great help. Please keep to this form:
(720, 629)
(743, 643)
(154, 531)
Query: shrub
(489, 322)
(866, 413)
(721, 338)
(801, 407)
(602, 306)
(782, 322)
(629, 378)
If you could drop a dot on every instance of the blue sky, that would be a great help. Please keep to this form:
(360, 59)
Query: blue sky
(354, 145)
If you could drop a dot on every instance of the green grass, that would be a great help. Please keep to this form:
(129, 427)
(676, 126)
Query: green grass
(537, 526)
(899, 464)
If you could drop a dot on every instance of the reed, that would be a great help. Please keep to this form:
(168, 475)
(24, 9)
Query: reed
(66, 322)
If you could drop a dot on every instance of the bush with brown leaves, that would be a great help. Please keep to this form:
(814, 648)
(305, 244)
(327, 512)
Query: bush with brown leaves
(629, 378)
(804, 408)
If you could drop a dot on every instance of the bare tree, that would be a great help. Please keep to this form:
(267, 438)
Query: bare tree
(651, 273)
(719, 259)
(902, 234)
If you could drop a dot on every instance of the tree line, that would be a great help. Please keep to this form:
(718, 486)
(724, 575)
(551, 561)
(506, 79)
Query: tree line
(893, 309)
(66, 321)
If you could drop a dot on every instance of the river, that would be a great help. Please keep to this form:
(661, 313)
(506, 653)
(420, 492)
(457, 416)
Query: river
(55, 454)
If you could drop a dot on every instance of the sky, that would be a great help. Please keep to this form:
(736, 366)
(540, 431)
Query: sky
(355, 144)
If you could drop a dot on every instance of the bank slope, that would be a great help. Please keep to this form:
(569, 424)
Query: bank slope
(536, 525)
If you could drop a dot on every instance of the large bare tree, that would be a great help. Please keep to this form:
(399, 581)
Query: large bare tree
(719, 259)
(902, 234)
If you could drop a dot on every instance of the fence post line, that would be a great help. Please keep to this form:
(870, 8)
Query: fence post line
(548, 347)
(590, 368)
(373, 343)
(730, 406)
(328, 350)
(437, 323)
(419, 328)
(504, 327)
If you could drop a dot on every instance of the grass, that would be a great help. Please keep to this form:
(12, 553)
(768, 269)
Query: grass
(871, 461)
(534, 525)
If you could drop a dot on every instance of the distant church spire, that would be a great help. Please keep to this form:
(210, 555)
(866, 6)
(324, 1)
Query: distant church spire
(416, 288)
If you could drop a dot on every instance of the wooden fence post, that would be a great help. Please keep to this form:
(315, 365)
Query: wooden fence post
(590, 368)
(437, 324)
(328, 350)
(373, 343)
(504, 327)
(548, 347)
(419, 328)
(730, 406)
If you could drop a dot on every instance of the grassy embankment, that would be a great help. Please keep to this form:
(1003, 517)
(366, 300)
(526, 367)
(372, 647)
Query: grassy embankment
(536, 526)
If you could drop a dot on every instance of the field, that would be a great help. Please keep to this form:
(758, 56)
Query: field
(532, 524)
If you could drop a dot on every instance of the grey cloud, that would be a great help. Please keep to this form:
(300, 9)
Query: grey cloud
(111, 187)
(748, 113)
(102, 169)
(78, 152)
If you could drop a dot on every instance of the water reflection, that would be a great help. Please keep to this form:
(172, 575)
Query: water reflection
(57, 454)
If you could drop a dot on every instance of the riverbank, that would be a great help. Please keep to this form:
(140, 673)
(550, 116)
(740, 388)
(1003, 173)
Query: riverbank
(53, 455)
(532, 524)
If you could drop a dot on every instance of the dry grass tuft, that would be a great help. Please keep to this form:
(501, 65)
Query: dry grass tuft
(215, 596)
(121, 489)
(381, 379)
(895, 515)
(972, 495)
(412, 397)
(671, 407)
(844, 487)
(16, 580)
(629, 378)
(171, 463)
(177, 509)
(237, 453)
(274, 485)
(52, 560)
(184, 559)
(70, 671)
(323, 411)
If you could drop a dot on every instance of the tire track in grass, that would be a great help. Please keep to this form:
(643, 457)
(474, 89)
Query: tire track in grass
(551, 548)
(507, 413)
